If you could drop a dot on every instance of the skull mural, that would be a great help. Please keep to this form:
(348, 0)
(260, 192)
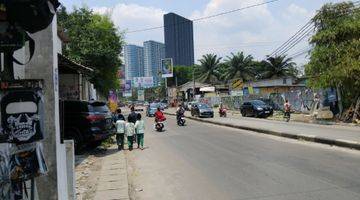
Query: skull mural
(20, 116)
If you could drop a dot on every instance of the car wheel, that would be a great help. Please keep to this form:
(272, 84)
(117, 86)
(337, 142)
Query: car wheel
(243, 113)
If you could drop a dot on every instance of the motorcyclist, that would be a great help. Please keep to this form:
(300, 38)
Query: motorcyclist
(180, 112)
(159, 116)
(222, 110)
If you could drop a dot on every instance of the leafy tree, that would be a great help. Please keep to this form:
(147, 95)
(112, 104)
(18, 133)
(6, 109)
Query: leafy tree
(94, 42)
(183, 74)
(279, 66)
(207, 71)
(239, 66)
(335, 59)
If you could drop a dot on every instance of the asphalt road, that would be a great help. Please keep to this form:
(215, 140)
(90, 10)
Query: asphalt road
(203, 161)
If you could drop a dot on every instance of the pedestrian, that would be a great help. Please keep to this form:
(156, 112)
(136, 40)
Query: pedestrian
(120, 132)
(132, 116)
(118, 115)
(130, 132)
(287, 109)
(140, 130)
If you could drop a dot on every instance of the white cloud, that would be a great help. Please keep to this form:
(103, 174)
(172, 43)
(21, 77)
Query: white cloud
(255, 31)
(130, 17)
(296, 10)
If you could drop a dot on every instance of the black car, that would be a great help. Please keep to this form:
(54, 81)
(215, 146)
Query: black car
(256, 108)
(201, 110)
(87, 122)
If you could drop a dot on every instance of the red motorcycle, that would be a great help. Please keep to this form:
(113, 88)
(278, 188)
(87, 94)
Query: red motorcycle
(222, 112)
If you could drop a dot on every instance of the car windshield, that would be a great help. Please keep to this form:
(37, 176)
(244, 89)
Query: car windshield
(258, 103)
(203, 106)
(98, 107)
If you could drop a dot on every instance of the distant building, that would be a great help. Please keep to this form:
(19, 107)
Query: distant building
(179, 39)
(134, 61)
(154, 52)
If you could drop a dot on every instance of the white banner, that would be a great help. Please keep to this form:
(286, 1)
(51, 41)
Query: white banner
(143, 82)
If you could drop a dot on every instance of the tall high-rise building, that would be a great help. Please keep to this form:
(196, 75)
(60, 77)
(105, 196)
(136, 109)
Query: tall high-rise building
(134, 61)
(179, 39)
(154, 52)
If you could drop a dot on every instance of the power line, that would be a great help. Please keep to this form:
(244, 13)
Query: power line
(207, 17)
(235, 10)
(297, 41)
(291, 38)
(301, 52)
(302, 33)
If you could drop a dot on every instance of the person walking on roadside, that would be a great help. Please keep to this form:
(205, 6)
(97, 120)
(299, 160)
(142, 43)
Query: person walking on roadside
(132, 116)
(130, 132)
(140, 130)
(120, 132)
(118, 115)
(287, 109)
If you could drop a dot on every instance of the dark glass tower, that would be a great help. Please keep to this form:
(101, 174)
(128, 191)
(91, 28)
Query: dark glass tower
(179, 39)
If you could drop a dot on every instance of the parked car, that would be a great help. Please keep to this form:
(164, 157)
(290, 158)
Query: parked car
(151, 109)
(202, 110)
(87, 122)
(256, 108)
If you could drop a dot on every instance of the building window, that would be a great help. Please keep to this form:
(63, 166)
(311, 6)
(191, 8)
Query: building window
(284, 81)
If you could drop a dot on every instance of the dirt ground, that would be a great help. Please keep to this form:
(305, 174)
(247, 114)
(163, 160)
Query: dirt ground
(87, 169)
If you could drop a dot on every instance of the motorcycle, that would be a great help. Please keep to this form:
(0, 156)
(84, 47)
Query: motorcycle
(159, 126)
(181, 120)
(222, 112)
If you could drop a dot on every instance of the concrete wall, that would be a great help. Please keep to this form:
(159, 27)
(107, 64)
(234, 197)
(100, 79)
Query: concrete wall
(44, 65)
(69, 87)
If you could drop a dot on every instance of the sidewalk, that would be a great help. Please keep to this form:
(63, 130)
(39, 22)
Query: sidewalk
(113, 180)
(344, 136)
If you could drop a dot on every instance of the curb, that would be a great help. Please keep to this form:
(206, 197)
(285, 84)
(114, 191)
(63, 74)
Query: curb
(309, 138)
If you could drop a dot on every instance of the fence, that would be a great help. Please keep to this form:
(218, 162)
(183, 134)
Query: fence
(301, 100)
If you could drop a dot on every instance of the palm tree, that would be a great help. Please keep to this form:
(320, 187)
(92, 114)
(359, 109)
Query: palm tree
(239, 66)
(279, 66)
(208, 70)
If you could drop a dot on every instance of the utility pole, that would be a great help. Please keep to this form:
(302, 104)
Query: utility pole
(193, 83)
(44, 65)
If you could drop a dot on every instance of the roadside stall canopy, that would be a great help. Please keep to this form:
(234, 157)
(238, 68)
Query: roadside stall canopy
(207, 89)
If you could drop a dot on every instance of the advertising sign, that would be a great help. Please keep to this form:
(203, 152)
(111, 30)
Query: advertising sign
(112, 99)
(237, 84)
(141, 95)
(167, 69)
(127, 86)
(143, 82)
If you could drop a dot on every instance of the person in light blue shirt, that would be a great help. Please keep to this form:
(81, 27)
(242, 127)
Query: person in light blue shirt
(140, 130)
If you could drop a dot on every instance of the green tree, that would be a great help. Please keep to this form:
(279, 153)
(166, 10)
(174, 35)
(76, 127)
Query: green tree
(335, 59)
(239, 66)
(208, 70)
(279, 66)
(94, 42)
(182, 74)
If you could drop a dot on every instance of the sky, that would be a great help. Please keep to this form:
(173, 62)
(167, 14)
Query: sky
(257, 31)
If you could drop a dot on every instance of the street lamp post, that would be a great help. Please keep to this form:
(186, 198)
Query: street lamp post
(193, 83)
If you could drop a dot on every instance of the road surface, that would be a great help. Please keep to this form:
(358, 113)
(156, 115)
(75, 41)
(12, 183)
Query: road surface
(203, 161)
